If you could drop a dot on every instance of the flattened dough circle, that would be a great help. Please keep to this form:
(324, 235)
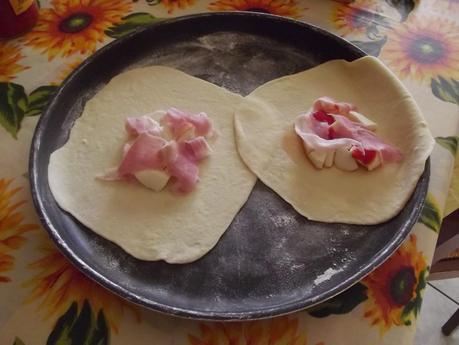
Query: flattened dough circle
(149, 225)
(269, 146)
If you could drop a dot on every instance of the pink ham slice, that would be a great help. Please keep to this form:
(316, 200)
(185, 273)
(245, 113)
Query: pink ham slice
(178, 157)
(320, 123)
(345, 128)
(143, 154)
(142, 124)
(179, 122)
(195, 149)
(326, 127)
(184, 173)
(307, 127)
(169, 152)
(330, 106)
(181, 160)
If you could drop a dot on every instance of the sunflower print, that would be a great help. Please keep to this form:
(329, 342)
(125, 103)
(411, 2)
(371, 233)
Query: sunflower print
(172, 5)
(283, 330)
(423, 48)
(394, 289)
(355, 18)
(287, 8)
(57, 284)
(10, 55)
(12, 229)
(75, 26)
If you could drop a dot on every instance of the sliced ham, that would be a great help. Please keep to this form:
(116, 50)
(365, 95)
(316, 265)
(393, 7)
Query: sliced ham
(320, 150)
(179, 122)
(345, 128)
(169, 152)
(330, 137)
(142, 124)
(182, 131)
(143, 154)
(182, 160)
(306, 126)
(127, 146)
(320, 123)
(195, 149)
(155, 161)
(330, 106)
(184, 173)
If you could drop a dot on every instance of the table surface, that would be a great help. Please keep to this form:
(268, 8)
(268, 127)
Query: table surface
(43, 298)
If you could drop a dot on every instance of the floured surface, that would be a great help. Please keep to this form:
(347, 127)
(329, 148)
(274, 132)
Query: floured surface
(149, 225)
(238, 62)
(268, 144)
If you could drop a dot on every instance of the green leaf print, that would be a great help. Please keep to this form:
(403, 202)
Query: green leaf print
(18, 341)
(421, 286)
(60, 333)
(13, 104)
(446, 90)
(38, 99)
(130, 24)
(371, 47)
(404, 7)
(81, 328)
(431, 214)
(341, 304)
(449, 143)
(414, 305)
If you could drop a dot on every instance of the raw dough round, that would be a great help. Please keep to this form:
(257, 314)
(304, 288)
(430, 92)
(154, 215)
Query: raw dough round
(147, 224)
(269, 146)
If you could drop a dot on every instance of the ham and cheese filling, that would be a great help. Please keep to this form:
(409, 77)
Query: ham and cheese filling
(334, 133)
(164, 153)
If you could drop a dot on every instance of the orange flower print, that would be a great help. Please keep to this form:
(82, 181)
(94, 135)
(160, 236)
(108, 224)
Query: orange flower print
(394, 289)
(75, 26)
(12, 228)
(283, 330)
(10, 55)
(357, 17)
(287, 8)
(172, 5)
(423, 48)
(57, 284)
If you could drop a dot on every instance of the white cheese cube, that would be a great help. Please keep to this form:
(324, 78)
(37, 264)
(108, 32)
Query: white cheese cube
(317, 158)
(344, 160)
(330, 158)
(153, 179)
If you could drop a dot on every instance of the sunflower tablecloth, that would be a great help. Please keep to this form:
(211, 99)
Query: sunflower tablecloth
(44, 299)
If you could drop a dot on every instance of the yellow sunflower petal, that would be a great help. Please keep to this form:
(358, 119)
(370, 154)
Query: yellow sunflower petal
(10, 55)
(75, 26)
(278, 331)
(385, 304)
(279, 7)
(56, 284)
(423, 48)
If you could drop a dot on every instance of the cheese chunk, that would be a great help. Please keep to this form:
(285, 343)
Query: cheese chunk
(153, 179)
